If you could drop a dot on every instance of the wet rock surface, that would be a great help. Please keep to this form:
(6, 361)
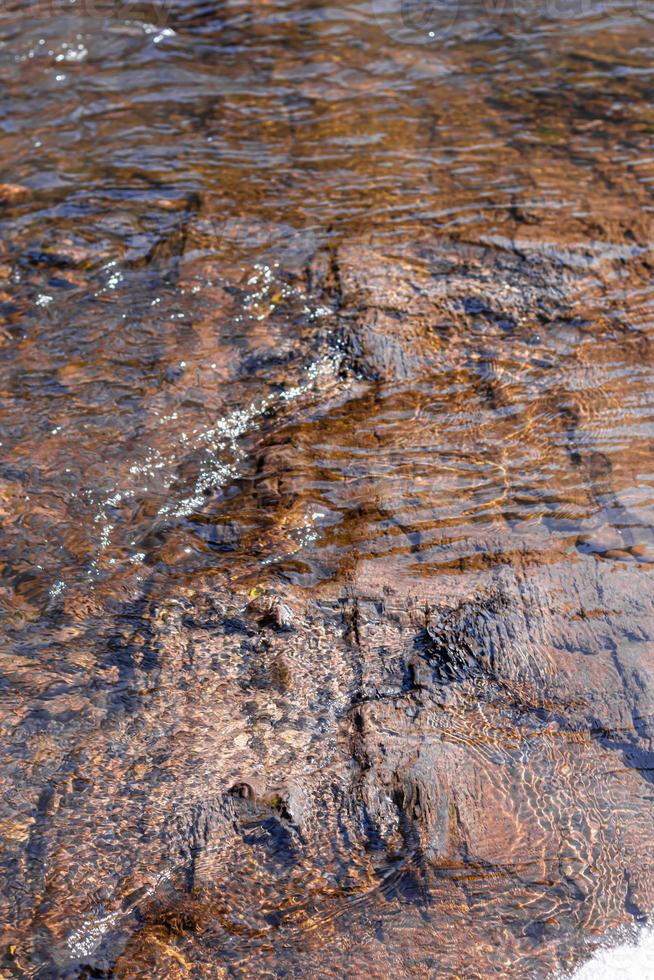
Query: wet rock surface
(331, 752)
(387, 760)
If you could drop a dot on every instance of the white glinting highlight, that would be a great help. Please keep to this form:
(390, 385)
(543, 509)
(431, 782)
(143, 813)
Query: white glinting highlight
(630, 960)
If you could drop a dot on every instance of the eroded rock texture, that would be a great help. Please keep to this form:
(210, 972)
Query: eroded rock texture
(406, 728)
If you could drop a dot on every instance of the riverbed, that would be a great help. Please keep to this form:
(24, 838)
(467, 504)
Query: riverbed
(326, 487)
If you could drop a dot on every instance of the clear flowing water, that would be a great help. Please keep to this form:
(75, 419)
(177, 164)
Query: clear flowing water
(336, 305)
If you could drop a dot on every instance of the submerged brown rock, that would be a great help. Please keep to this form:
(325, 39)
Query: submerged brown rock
(416, 739)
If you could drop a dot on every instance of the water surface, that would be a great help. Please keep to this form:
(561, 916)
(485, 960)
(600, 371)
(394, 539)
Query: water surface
(347, 308)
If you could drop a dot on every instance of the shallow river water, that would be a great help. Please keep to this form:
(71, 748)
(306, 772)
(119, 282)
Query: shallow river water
(326, 486)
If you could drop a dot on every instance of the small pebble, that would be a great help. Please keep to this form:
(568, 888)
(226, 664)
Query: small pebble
(13, 193)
